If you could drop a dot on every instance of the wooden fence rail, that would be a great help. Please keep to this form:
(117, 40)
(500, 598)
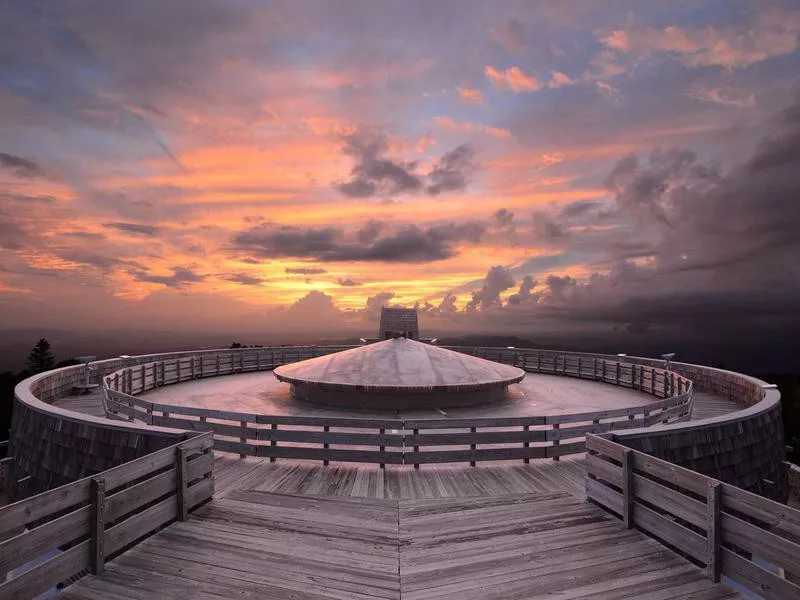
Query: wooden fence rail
(88, 521)
(727, 530)
(395, 441)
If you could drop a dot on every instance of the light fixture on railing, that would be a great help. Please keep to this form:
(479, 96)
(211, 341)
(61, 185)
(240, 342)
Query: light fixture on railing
(667, 357)
(511, 347)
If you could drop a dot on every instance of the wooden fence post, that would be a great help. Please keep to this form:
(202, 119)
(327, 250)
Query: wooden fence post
(472, 446)
(243, 439)
(178, 365)
(714, 531)
(192, 363)
(273, 443)
(556, 443)
(144, 387)
(181, 483)
(627, 488)
(616, 378)
(526, 444)
(98, 525)
(653, 381)
(579, 367)
(326, 445)
(416, 448)
(382, 449)
(217, 373)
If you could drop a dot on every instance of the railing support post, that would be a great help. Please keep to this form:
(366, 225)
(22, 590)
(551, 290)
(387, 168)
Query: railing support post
(416, 448)
(273, 443)
(556, 442)
(382, 448)
(326, 445)
(714, 531)
(526, 428)
(472, 446)
(98, 525)
(243, 439)
(181, 475)
(627, 488)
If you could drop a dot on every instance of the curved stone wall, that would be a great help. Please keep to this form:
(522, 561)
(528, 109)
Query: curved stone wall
(744, 448)
(51, 446)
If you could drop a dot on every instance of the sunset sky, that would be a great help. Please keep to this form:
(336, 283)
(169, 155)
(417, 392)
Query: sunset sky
(516, 167)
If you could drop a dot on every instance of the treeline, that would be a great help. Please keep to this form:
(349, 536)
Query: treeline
(40, 358)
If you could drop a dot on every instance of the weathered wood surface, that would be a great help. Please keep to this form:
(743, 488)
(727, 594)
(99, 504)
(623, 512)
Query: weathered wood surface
(257, 544)
(112, 509)
(718, 525)
(396, 481)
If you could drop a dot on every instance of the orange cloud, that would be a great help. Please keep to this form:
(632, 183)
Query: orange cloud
(513, 78)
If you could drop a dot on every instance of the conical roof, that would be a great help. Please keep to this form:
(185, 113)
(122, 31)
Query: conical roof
(400, 365)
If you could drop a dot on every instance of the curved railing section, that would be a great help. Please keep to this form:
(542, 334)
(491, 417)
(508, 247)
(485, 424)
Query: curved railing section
(752, 460)
(392, 440)
(59, 534)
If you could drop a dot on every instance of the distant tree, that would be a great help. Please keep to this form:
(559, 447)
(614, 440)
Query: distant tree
(236, 345)
(41, 357)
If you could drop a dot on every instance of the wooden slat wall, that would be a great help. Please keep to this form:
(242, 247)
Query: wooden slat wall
(375, 440)
(135, 499)
(725, 531)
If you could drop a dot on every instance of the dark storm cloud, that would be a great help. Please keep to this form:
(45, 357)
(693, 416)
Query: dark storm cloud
(179, 278)
(409, 243)
(498, 280)
(452, 171)
(722, 247)
(546, 228)
(349, 282)
(374, 174)
(21, 167)
(503, 217)
(305, 270)
(524, 295)
(370, 231)
(243, 279)
(579, 208)
(133, 228)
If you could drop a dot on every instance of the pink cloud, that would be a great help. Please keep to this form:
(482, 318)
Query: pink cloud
(471, 96)
(513, 78)
(772, 34)
(449, 124)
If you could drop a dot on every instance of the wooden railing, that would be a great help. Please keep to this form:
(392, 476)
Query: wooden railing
(729, 531)
(86, 522)
(394, 441)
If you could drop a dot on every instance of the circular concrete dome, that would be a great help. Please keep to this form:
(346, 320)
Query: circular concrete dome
(398, 374)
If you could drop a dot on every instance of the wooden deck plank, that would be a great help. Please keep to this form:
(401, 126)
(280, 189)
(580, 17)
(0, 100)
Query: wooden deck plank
(251, 543)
